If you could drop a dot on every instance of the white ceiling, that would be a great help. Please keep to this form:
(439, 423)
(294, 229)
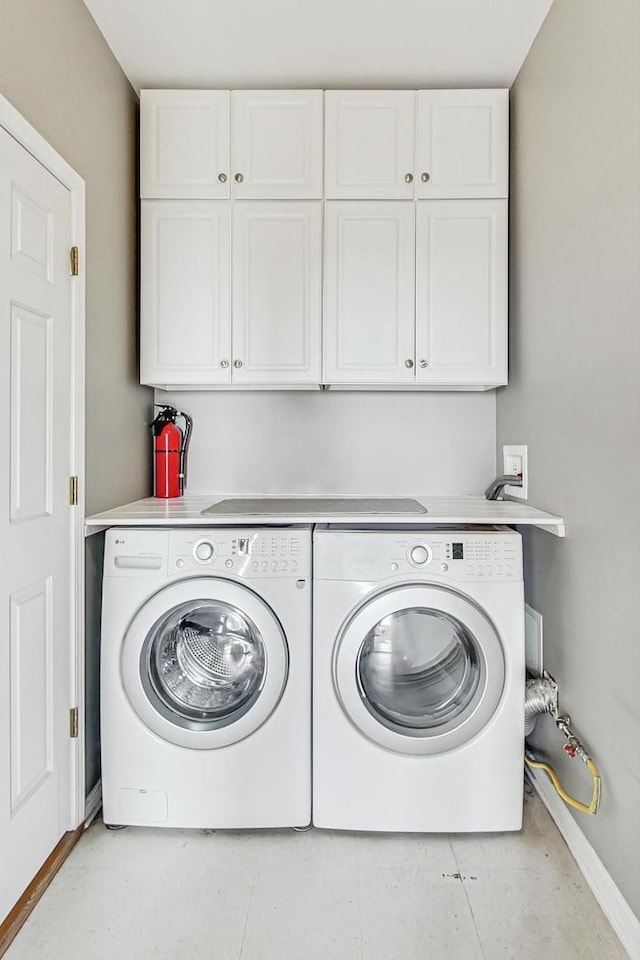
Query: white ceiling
(320, 43)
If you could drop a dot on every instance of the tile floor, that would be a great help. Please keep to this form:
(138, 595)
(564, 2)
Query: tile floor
(280, 895)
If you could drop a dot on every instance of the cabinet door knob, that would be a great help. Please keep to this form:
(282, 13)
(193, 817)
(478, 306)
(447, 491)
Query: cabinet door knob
(408, 178)
(222, 177)
(237, 364)
(224, 364)
(238, 178)
(408, 363)
(423, 364)
(425, 177)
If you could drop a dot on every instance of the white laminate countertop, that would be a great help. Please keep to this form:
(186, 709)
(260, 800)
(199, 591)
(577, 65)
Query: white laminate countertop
(187, 512)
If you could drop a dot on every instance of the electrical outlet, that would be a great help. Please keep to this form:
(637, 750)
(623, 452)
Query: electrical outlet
(514, 462)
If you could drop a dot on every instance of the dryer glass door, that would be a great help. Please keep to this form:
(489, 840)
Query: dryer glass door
(419, 669)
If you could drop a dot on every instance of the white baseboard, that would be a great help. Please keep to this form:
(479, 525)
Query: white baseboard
(92, 804)
(614, 906)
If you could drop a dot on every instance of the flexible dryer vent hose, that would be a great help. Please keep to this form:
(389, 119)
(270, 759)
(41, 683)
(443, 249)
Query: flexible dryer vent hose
(541, 696)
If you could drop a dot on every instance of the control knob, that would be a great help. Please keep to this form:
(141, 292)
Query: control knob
(204, 551)
(418, 555)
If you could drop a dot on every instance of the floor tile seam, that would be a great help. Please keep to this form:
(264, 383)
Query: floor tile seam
(534, 872)
(468, 902)
(246, 919)
(306, 867)
(360, 928)
(562, 906)
(436, 871)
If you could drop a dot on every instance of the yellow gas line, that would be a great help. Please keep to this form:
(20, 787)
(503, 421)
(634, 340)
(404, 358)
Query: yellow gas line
(591, 808)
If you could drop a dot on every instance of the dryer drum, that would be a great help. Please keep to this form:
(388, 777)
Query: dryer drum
(205, 661)
(418, 668)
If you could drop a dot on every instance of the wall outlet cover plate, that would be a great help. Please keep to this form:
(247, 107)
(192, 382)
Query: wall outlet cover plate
(514, 461)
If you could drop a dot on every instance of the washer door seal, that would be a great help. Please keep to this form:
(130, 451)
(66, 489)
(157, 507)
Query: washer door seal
(204, 662)
(419, 669)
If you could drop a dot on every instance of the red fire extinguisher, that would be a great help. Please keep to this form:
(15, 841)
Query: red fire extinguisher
(169, 452)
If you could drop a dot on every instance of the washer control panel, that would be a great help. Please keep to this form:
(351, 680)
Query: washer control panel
(245, 553)
(251, 553)
(493, 554)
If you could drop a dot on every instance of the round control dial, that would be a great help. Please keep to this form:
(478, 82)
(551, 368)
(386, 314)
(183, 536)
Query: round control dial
(419, 555)
(204, 551)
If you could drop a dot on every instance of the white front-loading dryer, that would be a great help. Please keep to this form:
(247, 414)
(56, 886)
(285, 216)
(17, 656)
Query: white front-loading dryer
(418, 682)
(206, 677)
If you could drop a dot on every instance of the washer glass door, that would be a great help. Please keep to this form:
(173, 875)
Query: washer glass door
(419, 669)
(204, 662)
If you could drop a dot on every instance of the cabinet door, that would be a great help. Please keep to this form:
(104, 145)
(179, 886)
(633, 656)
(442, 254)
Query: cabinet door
(369, 144)
(185, 288)
(463, 143)
(276, 144)
(461, 292)
(184, 144)
(277, 292)
(369, 293)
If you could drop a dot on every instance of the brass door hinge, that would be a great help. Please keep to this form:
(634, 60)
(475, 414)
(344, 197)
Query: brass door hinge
(73, 722)
(73, 491)
(75, 261)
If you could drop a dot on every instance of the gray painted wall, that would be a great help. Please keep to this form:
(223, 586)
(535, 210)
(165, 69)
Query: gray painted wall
(56, 69)
(339, 442)
(574, 393)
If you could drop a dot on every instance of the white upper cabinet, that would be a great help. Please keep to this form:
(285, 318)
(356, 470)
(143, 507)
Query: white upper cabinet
(463, 139)
(185, 292)
(398, 144)
(206, 323)
(369, 144)
(461, 292)
(212, 144)
(277, 292)
(276, 145)
(369, 292)
(184, 144)
(407, 285)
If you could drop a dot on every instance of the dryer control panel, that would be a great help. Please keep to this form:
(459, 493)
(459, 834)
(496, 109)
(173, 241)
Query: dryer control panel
(459, 555)
(252, 553)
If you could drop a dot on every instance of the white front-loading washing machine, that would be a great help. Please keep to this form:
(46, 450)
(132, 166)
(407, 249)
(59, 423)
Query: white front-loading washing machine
(418, 680)
(206, 677)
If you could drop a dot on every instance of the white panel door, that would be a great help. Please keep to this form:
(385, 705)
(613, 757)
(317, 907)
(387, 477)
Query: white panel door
(184, 144)
(185, 292)
(277, 144)
(461, 292)
(369, 292)
(463, 143)
(369, 144)
(35, 590)
(277, 292)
